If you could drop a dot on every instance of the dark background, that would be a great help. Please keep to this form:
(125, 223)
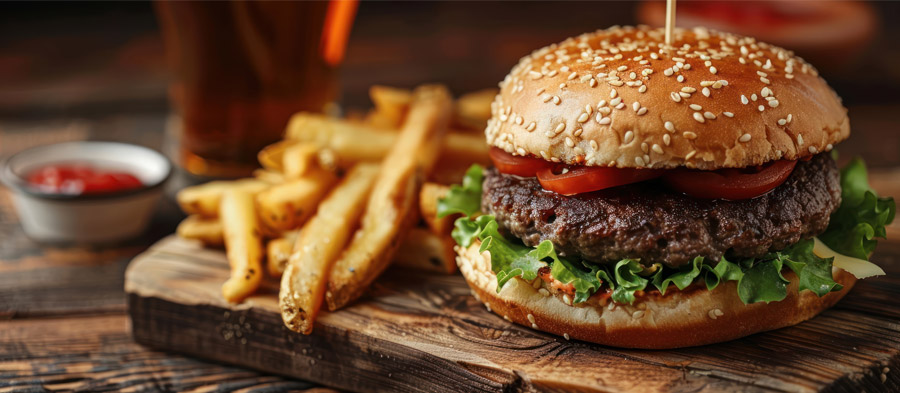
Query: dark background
(95, 61)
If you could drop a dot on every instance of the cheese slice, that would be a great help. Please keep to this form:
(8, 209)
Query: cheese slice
(858, 267)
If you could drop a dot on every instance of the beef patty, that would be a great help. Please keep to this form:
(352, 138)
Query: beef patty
(651, 222)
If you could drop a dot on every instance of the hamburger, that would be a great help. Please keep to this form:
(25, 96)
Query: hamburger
(646, 195)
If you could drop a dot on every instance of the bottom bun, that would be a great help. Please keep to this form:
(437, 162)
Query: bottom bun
(695, 316)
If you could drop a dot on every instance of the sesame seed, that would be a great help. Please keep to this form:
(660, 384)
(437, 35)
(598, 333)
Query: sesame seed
(768, 64)
(790, 117)
(713, 70)
(782, 122)
(566, 335)
(615, 101)
(589, 109)
(689, 135)
(636, 105)
(620, 106)
(684, 95)
(572, 76)
(687, 89)
(577, 132)
(594, 145)
(680, 78)
(668, 72)
(762, 108)
(642, 89)
(695, 107)
(645, 147)
(773, 103)
(789, 76)
(744, 100)
(632, 75)
(698, 117)
(567, 300)
(705, 91)
(709, 115)
(534, 326)
(715, 313)
(613, 93)
(559, 128)
(562, 85)
(766, 91)
(535, 75)
(547, 98)
(531, 127)
(657, 149)
(799, 139)
(556, 100)
(760, 73)
(745, 138)
(718, 85)
(639, 161)
(706, 83)
(728, 114)
(616, 83)
(519, 120)
(570, 142)
(753, 97)
(583, 118)
(675, 97)
(828, 147)
(667, 139)
(521, 151)
(592, 82)
(552, 73)
(670, 126)
(622, 68)
(530, 318)
(629, 136)
(604, 121)
(690, 155)
(813, 150)
(642, 111)
(764, 80)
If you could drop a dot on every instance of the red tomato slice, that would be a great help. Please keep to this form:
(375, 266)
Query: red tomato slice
(516, 165)
(730, 184)
(580, 179)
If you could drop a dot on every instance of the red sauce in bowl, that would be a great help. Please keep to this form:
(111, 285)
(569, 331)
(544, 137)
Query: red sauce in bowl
(80, 179)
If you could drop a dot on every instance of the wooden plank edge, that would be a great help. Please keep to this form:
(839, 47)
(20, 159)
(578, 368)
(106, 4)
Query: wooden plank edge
(331, 356)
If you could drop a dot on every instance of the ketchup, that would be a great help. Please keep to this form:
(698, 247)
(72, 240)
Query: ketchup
(78, 179)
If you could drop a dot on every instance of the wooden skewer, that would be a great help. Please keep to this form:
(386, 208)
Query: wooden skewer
(670, 20)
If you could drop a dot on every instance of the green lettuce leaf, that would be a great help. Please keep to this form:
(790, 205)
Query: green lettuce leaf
(813, 272)
(465, 198)
(762, 282)
(861, 217)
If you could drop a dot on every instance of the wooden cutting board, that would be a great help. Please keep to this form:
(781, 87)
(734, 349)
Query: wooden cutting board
(422, 331)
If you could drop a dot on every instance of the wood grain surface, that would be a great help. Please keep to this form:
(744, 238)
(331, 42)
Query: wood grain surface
(418, 331)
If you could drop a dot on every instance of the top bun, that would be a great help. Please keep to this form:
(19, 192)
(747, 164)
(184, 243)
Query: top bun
(621, 97)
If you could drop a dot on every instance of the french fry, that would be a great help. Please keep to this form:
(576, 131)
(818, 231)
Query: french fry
(299, 158)
(424, 250)
(271, 157)
(351, 143)
(278, 251)
(473, 110)
(391, 204)
(269, 176)
(243, 244)
(321, 241)
(207, 230)
(286, 206)
(391, 105)
(204, 199)
(428, 199)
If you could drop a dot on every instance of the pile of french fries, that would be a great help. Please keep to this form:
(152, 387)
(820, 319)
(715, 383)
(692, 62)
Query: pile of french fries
(338, 200)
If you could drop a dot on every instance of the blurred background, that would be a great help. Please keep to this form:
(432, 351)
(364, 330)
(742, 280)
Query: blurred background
(68, 70)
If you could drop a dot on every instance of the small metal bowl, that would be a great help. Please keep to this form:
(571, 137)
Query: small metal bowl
(86, 218)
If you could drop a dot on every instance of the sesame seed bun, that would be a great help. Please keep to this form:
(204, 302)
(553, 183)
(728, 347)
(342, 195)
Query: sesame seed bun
(677, 319)
(621, 97)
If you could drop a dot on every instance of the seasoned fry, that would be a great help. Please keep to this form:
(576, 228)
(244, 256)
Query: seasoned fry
(322, 239)
(207, 230)
(350, 143)
(473, 110)
(428, 199)
(243, 244)
(204, 199)
(271, 157)
(391, 204)
(278, 251)
(424, 250)
(391, 105)
(299, 158)
(286, 206)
